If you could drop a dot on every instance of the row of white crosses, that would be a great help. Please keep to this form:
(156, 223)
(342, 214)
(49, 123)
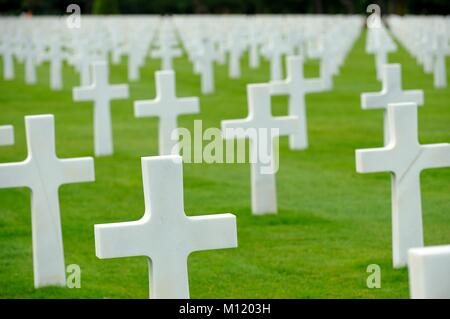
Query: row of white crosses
(152, 236)
(405, 158)
(428, 40)
(267, 36)
(261, 127)
(167, 107)
(379, 43)
(38, 39)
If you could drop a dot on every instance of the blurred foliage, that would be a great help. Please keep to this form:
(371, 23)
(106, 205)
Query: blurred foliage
(105, 7)
(224, 6)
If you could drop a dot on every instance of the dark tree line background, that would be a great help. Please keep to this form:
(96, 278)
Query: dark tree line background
(441, 7)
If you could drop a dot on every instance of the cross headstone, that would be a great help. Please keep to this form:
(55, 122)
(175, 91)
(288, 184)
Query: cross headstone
(391, 92)
(44, 173)
(296, 86)
(439, 69)
(7, 52)
(102, 93)
(135, 59)
(6, 135)
(30, 62)
(206, 59)
(405, 158)
(83, 62)
(235, 50)
(165, 234)
(56, 56)
(383, 45)
(261, 128)
(166, 53)
(167, 106)
(253, 52)
(276, 50)
(429, 275)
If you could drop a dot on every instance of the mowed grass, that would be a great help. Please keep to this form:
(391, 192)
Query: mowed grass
(332, 222)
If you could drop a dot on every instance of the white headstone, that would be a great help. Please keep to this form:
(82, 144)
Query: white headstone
(30, 62)
(102, 93)
(276, 50)
(429, 272)
(7, 52)
(44, 173)
(261, 128)
(165, 234)
(206, 62)
(391, 93)
(234, 64)
(383, 45)
(166, 53)
(56, 56)
(439, 69)
(405, 158)
(167, 107)
(6, 135)
(296, 86)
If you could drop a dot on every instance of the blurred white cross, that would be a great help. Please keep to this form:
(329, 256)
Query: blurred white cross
(167, 107)
(261, 127)
(44, 173)
(165, 234)
(102, 93)
(405, 158)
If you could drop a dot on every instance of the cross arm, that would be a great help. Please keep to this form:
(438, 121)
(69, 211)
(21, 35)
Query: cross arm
(83, 93)
(288, 124)
(6, 135)
(15, 175)
(279, 88)
(78, 170)
(119, 91)
(436, 155)
(374, 100)
(189, 105)
(372, 160)
(146, 108)
(314, 85)
(212, 232)
(120, 239)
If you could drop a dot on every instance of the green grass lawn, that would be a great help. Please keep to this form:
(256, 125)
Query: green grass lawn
(332, 222)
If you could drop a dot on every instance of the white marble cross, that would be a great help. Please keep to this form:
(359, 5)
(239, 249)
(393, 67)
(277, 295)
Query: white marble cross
(166, 53)
(276, 50)
(429, 272)
(405, 158)
(167, 106)
(6, 135)
(296, 86)
(234, 65)
(253, 52)
(383, 45)
(391, 93)
(326, 56)
(44, 173)
(439, 67)
(261, 128)
(102, 93)
(56, 56)
(7, 52)
(30, 62)
(165, 234)
(206, 59)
